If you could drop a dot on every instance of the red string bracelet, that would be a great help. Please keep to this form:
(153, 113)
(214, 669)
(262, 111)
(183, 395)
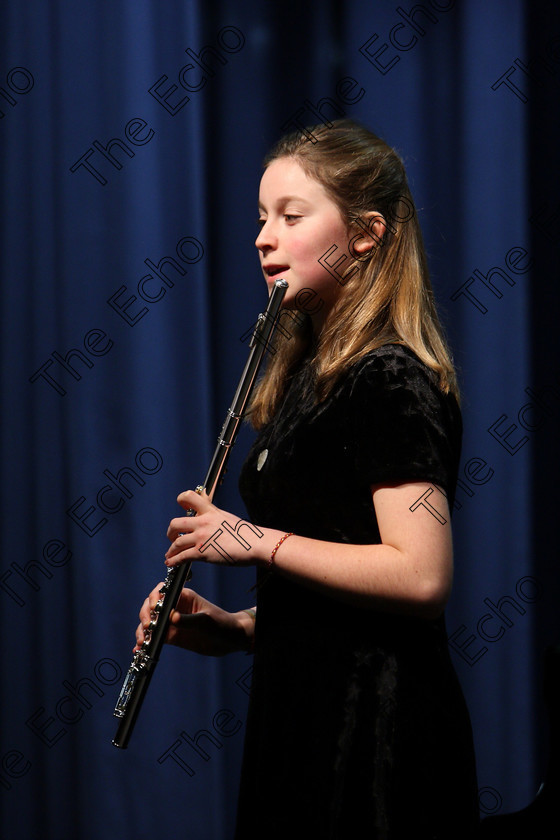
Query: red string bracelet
(277, 546)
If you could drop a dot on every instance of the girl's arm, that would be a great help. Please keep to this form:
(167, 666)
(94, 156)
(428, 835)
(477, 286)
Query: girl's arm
(409, 572)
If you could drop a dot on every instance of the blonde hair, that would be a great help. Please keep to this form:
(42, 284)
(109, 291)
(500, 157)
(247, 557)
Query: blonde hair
(387, 296)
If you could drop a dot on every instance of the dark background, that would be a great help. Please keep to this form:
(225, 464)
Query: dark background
(468, 93)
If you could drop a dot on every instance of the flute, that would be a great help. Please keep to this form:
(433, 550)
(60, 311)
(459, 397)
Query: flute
(145, 659)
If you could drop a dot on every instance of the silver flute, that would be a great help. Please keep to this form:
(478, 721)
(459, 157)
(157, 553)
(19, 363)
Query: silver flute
(145, 659)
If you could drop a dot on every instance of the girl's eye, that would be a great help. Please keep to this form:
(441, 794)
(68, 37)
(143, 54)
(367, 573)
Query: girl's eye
(287, 216)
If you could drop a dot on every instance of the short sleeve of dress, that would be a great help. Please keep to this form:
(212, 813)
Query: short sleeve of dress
(404, 427)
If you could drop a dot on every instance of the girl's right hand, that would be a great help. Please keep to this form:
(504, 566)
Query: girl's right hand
(198, 625)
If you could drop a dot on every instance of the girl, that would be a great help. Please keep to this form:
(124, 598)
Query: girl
(357, 725)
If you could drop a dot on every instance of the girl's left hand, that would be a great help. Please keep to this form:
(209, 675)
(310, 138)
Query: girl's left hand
(213, 535)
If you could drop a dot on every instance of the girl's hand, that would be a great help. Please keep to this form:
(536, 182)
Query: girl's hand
(213, 535)
(199, 625)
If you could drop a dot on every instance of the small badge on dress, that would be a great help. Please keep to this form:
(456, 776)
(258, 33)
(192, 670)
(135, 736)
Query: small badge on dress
(261, 459)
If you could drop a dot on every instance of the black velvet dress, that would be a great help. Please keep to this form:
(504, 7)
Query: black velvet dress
(357, 726)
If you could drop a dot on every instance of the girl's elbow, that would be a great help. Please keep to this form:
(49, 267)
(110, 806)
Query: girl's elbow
(435, 595)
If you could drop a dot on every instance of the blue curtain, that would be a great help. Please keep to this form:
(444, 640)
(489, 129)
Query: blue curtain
(132, 135)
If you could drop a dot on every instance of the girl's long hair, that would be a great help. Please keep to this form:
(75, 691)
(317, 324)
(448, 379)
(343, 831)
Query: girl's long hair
(386, 296)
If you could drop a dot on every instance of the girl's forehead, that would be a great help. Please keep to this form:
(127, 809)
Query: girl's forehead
(287, 176)
(284, 168)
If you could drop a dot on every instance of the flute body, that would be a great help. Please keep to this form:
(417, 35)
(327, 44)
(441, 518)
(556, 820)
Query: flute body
(143, 664)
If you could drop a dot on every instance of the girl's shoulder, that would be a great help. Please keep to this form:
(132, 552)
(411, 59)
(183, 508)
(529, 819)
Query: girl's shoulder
(392, 366)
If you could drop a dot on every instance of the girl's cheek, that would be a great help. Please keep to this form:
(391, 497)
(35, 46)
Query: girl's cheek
(299, 246)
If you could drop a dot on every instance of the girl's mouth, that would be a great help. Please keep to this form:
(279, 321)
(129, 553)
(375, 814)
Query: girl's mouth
(274, 271)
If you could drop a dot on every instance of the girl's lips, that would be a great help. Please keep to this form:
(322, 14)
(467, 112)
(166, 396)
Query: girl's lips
(273, 271)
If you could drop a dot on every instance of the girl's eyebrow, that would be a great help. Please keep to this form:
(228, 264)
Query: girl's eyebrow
(284, 200)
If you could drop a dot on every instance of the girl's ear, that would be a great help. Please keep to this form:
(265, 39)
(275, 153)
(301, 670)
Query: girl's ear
(373, 227)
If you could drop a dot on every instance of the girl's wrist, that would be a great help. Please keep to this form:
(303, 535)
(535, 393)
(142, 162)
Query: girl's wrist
(266, 547)
(246, 619)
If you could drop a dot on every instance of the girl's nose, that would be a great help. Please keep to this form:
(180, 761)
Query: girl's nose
(266, 238)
